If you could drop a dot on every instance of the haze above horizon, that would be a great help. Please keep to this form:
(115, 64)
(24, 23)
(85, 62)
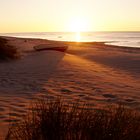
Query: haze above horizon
(69, 15)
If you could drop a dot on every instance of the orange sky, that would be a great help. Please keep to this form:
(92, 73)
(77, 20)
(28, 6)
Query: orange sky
(69, 15)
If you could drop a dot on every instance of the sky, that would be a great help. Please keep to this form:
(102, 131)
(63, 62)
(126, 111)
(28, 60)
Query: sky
(69, 15)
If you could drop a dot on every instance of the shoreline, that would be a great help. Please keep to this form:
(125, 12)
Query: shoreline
(104, 54)
(26, 45)
(91, 42)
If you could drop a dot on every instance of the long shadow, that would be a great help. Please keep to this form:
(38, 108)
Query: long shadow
(29, 73)
(21, 79)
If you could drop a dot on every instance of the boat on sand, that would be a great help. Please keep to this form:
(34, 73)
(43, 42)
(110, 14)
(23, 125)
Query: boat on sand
(56, 47)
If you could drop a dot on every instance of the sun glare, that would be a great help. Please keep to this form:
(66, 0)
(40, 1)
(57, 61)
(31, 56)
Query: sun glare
(78, 25)
(78, 36)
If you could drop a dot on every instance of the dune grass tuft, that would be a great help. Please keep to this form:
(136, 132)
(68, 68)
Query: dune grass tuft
(57, 120)
(7, 51)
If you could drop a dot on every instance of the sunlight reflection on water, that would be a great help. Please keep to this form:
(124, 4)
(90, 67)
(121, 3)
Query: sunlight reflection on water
(130, 39)
(78, 36)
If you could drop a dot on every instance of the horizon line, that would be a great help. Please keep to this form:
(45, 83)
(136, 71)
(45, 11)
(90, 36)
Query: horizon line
(62, 31)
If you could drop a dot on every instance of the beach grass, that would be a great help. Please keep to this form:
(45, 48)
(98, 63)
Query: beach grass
(58, 120)
(7, 51)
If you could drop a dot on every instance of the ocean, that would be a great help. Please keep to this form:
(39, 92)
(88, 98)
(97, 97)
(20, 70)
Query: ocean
(126, 39)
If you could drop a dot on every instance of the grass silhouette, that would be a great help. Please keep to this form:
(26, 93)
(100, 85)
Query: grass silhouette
(58, 120)
(7, 51)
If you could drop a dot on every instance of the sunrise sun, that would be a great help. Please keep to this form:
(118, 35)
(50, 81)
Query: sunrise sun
(78, 25)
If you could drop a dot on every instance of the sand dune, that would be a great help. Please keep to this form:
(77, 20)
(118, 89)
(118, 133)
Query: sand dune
(91, 72)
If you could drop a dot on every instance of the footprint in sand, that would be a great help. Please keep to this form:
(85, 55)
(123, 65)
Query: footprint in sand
(1, 109)
(129, 100)
(109, 96)
(11, 120)
(2, 117)
(66, 90)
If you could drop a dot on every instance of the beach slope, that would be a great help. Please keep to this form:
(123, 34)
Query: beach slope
(89, 72)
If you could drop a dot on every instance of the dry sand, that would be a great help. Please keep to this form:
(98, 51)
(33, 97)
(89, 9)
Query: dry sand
(93, 72)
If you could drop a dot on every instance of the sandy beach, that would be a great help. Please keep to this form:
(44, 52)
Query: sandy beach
(92, 72)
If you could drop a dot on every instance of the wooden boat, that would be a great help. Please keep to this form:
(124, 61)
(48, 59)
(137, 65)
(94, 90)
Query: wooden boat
(56, 47)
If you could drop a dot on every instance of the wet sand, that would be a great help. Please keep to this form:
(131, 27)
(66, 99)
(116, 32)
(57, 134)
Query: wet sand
(90, 72)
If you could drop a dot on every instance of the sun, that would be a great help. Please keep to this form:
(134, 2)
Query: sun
(78, 25)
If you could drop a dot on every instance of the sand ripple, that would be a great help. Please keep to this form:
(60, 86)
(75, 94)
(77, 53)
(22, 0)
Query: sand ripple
(72, 75)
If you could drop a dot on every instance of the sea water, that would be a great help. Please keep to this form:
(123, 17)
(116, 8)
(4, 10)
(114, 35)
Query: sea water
(126, 39)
